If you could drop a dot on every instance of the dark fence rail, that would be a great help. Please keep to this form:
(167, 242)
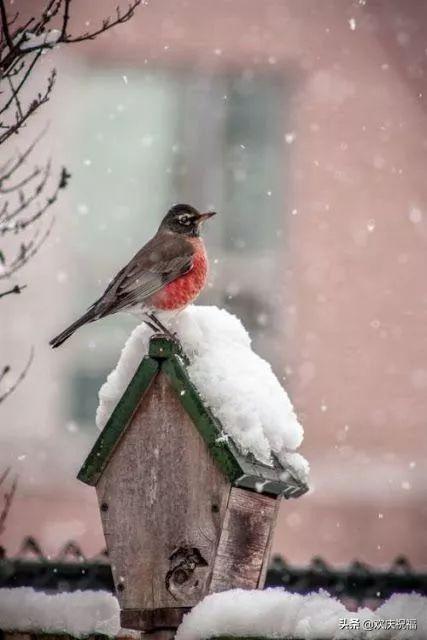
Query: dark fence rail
(70, 570)
(358, 583)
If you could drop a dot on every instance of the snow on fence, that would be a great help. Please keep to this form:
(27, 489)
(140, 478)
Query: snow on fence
(272, 613)
(79, 614)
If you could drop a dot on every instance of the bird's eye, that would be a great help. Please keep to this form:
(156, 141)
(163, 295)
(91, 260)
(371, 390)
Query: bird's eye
(185, 219)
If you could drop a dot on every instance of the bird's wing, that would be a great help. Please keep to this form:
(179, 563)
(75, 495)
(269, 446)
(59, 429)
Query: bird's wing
(160, 261)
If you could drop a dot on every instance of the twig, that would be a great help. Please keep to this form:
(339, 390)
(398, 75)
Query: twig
(16, 289)
(20, 160)
(24, 203)
(4, 475)
(66, 18)
(19, 379)
(106, 24)
(26, 252)
(22, 183)
(8, 499)
(5, 25)
(34, 105)
(22, 82)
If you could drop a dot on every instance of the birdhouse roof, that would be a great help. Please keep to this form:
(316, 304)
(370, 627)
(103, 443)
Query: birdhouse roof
(166, 356)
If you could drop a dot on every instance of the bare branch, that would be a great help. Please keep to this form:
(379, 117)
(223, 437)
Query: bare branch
(21, 83)
(15, 95)
(66, 19)
(27, 251)
(48, 14)
(41, 98)
(5, 25)
(22, 183)
(19, 379)
(24, 203)
(16, 289)
(10, 170)
(107, 24)
(13, 223)
(5, 473)
(7, 499)
(20, 43)
(21, 47)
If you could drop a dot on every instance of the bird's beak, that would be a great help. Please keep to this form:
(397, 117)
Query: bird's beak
(206, 216)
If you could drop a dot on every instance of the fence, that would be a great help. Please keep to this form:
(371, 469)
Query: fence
(357, 584)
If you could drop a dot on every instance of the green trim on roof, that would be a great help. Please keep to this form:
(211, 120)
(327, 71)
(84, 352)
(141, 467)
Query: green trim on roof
(162, 348)
(109, 437)
(242, 470)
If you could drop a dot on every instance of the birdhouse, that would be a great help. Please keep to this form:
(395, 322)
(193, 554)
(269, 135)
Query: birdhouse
(184, 513)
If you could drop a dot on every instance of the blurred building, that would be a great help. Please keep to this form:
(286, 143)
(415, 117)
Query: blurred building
(303, 124)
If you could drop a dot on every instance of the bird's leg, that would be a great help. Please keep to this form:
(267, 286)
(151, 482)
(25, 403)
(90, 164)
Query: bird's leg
(152, 326)
(154, 319)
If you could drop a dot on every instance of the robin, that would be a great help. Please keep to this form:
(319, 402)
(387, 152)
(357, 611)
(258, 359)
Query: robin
(167, 274)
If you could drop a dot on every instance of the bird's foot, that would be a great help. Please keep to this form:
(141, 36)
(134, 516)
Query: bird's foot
(158, 327)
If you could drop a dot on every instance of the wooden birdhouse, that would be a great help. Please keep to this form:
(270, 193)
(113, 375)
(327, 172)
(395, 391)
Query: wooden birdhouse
(184, 513)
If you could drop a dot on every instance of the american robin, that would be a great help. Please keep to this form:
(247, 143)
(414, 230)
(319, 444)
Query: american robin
(167, 274)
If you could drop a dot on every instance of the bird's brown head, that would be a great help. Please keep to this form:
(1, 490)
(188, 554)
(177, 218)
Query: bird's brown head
(185, 219)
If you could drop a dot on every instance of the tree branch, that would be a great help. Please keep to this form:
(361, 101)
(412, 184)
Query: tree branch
(16, 289)
(27, 251)
(20, 160)
(19, 379)
(5, 25)
(7, 499)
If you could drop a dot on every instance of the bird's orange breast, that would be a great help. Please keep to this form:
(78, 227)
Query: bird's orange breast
(185, 289)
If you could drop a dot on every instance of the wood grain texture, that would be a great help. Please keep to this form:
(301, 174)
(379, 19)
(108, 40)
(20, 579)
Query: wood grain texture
(154, 619)
(116, 426)
(244, 542)
(204, 420)
(267, 552)
(162, 500)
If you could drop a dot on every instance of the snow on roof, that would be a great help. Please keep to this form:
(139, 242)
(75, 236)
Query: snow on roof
(237, 384)
(79, 614)
(274, 613)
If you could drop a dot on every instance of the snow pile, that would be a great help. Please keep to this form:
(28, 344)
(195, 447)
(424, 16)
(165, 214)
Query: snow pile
(32, 41)
(239, 386)
(79, 614)
(274, 613)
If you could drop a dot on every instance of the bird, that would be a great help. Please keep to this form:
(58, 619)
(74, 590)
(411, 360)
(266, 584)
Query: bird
(167, 274)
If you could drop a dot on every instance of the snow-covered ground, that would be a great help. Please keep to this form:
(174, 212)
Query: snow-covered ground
(80, 613)
(274, 613)
(239, 386)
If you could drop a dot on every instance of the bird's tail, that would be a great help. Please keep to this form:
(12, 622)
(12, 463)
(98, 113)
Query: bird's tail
(89, 316)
